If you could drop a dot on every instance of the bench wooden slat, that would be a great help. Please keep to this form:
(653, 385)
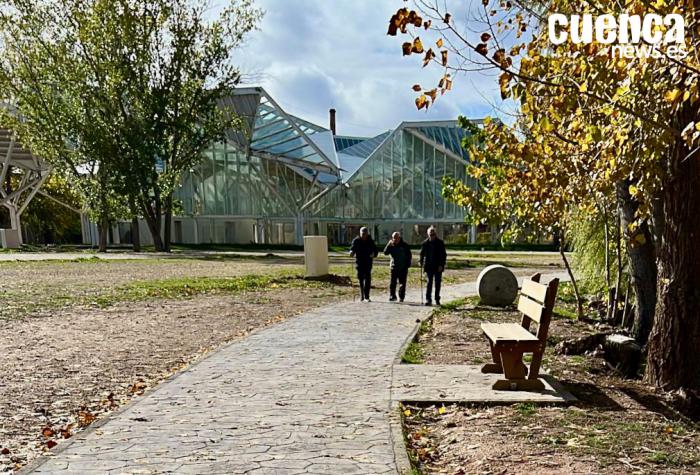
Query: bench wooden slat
(534, 290)
(509, 341)
(531, 308)
(507, 332)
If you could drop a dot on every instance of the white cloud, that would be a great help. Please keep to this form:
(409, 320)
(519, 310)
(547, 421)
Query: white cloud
(312, 55)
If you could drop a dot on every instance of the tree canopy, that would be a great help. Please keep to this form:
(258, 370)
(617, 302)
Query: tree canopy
(122, 93)
(592, 127)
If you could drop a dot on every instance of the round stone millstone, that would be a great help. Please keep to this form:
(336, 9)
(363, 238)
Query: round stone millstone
(497, 286)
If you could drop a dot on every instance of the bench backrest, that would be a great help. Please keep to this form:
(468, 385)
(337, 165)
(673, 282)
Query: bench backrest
(537, 303)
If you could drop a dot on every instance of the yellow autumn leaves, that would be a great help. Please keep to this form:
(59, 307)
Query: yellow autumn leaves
(441, 410)
(400, 22)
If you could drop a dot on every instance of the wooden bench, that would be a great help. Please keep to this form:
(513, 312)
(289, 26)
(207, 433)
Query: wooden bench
(510, 340)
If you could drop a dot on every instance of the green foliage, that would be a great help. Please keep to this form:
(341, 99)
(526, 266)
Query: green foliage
(565, 312)
(413, 354)
(414, 351)
(525, 409)
(123, 95)
(189, 286)
(48, 222)
(565, 293)
(451, 306)
(664, 458)
(587, 235)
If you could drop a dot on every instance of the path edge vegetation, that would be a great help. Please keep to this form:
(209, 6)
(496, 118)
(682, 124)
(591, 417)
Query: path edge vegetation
(413, 353)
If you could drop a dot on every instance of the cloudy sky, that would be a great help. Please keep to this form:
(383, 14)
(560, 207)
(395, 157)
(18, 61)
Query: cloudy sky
(311, 55)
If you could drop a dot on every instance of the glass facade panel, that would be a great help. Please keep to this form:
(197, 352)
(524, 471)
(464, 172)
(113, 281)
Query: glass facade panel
(437, 177)
(408, 208)
(401, 180)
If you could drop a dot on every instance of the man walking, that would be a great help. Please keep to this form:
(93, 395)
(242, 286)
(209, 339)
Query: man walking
(364, 251)
(433, 258)
(400, 262)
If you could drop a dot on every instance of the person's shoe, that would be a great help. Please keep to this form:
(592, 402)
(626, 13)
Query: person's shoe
(369, 299)
(362, 300)
(428, 303)
(437, 302)
(401, 299)
(392, 298)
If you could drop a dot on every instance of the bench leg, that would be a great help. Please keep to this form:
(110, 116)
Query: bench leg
(512, 362)
(518, 385)
(496, 366)
(534, 372)
(492, 368)
(515, 371)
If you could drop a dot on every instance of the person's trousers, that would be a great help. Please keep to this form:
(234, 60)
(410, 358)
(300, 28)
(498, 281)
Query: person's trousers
(437, 277)
(398, 276)
(364, 276)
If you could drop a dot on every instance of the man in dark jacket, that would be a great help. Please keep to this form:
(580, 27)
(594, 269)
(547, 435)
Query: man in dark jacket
(433, 258)
(364, 250)
(400, 262)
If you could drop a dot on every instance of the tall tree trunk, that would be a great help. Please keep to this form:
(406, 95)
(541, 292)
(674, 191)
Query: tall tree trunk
(103, 214)
(674, 362)
(642, 264)
(657, 217)
(104, 232)
(152, 214)
(574, 284)
(618, 281)
(135, 232)
(606, 255)
(168, 216)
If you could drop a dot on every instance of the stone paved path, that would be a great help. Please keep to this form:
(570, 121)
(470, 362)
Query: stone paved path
(310, 395)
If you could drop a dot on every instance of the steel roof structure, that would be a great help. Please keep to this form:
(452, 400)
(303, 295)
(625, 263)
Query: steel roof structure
(284, 166)
(33, 172)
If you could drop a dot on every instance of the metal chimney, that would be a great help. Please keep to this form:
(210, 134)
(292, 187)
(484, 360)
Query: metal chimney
(332, 114)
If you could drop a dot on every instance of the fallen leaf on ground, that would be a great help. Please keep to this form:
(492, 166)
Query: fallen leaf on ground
(85, 418)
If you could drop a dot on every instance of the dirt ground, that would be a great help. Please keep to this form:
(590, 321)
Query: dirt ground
(618, 425)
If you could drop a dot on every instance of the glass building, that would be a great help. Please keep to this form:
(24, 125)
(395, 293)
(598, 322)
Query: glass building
(285, 177)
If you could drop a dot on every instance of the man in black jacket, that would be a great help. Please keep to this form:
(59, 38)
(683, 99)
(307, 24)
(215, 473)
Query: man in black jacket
(400, 262)
(364, 250)
(433, 258)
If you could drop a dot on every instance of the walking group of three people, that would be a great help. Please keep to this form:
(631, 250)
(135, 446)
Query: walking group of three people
(433, 258)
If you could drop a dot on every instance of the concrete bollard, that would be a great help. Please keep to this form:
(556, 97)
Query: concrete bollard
(9, 239)
(316, 256)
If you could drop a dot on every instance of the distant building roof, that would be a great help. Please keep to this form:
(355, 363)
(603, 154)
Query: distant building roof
(342, 142)
(311, 149)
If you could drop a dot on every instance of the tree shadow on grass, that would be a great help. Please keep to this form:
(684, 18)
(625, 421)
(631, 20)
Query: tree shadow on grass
(676, 408)
(590, 396)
